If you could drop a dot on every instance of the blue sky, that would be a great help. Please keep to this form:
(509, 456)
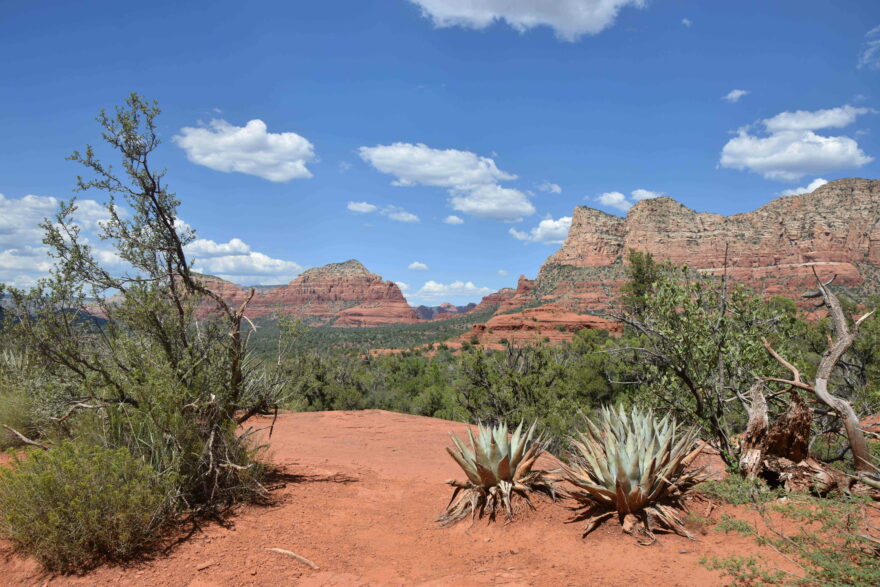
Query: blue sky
(303, 133)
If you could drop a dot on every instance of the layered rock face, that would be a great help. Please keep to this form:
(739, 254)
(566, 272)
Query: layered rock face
(774, 249)
(341, 294)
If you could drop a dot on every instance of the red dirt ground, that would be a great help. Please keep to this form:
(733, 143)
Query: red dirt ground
(362, 493)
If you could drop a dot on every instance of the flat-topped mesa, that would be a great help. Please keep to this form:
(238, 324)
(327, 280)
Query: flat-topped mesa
(343, 294)
(834, 229)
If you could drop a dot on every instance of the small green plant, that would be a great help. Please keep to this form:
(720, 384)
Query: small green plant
(729, 524)
(498, 470)
(744, 570)
(738, 490)
(835, 544)
(76, 505)
(636, 466)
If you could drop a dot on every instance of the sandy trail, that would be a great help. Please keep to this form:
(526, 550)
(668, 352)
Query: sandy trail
(361, 493)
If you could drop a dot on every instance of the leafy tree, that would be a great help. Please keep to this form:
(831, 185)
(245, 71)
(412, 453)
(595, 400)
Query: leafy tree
(145, 375)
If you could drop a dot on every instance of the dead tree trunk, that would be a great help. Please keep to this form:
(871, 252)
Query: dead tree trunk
(837, 347)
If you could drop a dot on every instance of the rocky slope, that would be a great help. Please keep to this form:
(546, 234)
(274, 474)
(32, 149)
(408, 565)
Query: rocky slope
(835, 229)
(443, 311)
(341, 294)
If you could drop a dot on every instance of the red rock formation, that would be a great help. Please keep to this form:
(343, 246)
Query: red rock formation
(835, 229)
(547, 323)
(342, 294)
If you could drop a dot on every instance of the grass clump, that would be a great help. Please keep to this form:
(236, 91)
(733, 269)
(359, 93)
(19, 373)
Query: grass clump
(77, 505)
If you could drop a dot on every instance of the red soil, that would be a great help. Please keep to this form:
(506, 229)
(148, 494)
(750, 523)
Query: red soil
(360, 499)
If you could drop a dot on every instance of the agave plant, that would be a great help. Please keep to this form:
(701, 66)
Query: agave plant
(636, 466)
(498, 469)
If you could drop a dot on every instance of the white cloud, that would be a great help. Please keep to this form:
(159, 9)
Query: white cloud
(548, 231)
(806, 120)
(471, 180)
(433, 291)
(399, 214)
(493, 202)
(869, 56)
(501, 272)
(250, 268)
(202, 247)
(641, 194)
(362, 207)
(550, 188)
(344, 166)
(620, 202)
(418, 266)
(570, 19)
(453, 219)
(687, 22)
(401, 285)
(791, 149)
(814, 185)
(614, 200)
(734, 95)
(250, 149)
(23, 257)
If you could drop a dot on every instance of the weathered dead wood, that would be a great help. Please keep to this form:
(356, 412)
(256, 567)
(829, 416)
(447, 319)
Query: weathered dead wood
(837, 347)
(25, 439)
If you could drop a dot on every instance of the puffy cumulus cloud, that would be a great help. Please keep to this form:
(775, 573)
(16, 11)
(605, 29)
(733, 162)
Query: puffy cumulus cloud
(687, 22)
(788, 148)
(471, 180)
(399, 214)
(814, 185)
(248, 268)
(203, 247)
(402, 286)
(434, 291)
(869, 55)
(453, 219)
(362, 207)
(734, 95)
(614, 200)
(249, 149)
(23, 258)
(619, 201)
(548, 231)
(570, 19)
(550, 187)
(493, 202)
(417, 265)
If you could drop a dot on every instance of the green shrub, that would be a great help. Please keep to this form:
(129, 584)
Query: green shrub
(738, 490)
(15, 412)
(78, 505)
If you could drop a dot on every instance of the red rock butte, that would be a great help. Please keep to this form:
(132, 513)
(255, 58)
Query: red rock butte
(338, 294)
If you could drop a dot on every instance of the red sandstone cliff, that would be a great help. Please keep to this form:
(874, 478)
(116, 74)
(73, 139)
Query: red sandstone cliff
(835, 229)
(341, 294)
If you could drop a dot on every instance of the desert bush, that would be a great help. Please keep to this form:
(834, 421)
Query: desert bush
(77, 505)
(123, 362)
(633, 465)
